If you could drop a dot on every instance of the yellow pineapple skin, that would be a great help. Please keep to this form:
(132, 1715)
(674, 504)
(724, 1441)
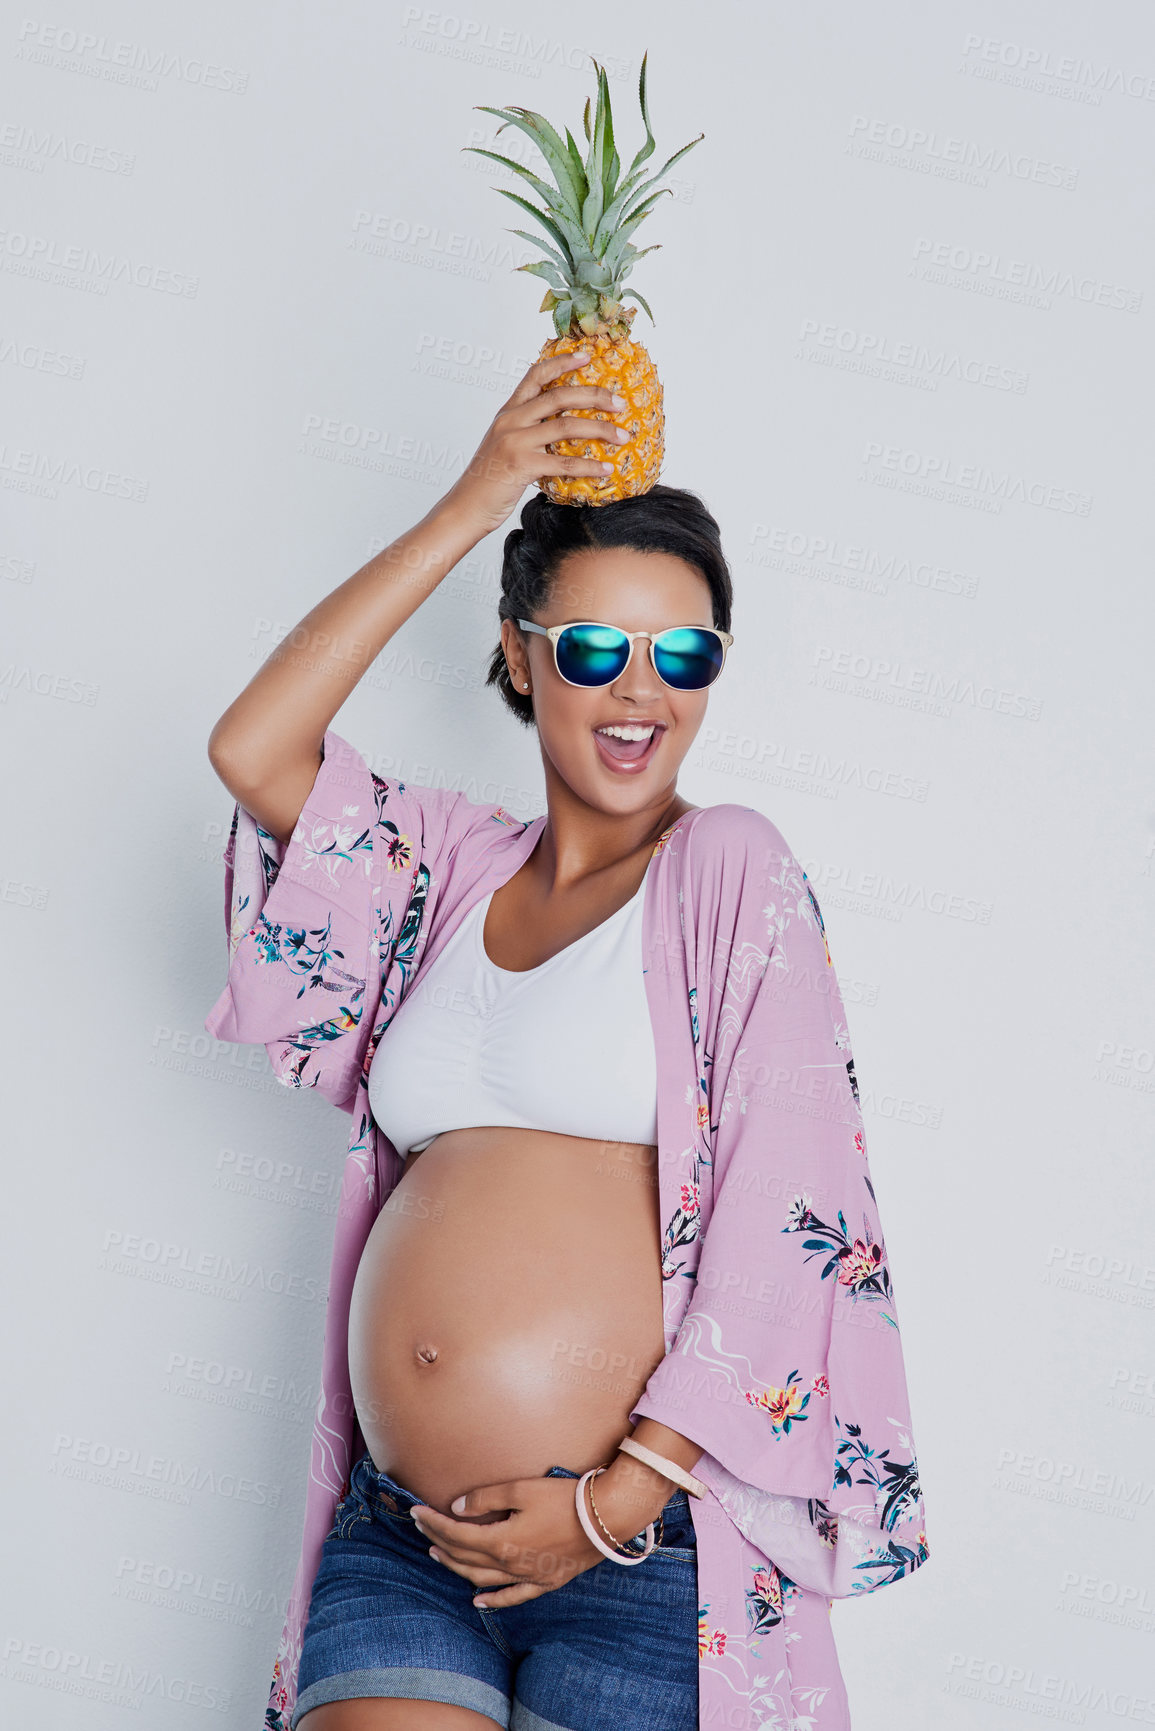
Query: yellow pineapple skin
(623, 365)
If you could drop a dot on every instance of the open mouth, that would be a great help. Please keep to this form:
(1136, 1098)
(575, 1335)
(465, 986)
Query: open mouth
(629, 747)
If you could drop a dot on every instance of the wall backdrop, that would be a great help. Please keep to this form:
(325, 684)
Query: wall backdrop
(258, 309)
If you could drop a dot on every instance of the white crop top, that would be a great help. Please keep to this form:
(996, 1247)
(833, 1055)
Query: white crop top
(567, 1046)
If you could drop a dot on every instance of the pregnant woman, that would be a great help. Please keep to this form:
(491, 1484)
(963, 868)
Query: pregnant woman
(612, 1402)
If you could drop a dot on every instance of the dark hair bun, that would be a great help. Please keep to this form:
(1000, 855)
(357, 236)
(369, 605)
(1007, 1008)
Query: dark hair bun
(663, 520)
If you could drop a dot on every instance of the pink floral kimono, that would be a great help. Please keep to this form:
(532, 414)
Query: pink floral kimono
(784, 1359)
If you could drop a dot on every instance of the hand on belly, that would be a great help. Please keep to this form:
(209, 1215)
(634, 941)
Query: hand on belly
(537, 1546)
(507, 1312)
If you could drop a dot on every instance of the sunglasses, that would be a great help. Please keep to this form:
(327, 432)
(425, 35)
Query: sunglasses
(686, 657)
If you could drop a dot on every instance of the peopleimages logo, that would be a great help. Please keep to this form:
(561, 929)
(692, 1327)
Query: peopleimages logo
(877, 347)
(504, 46)
(32, 148)
(97, 1676)
(381, 234)
(1015, 276)
(78, 266)
(463, 362)
(994, 486)
(120, 62)
(814, 554)
(890, 679)
(1023, 1687)
(125, 1466)
(1033, 66)
(927, 151)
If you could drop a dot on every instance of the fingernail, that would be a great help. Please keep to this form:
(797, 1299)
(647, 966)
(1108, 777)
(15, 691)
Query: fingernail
(435, 1553)
(458, 1505)
(606, 467)
(618, 402)
(481, 1603)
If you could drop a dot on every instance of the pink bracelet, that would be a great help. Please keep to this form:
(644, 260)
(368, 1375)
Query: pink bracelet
(669, 1469)
(595, 1537)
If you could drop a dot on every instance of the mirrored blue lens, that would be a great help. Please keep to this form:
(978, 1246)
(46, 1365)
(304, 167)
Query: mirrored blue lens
(688, 659)
(592, 654)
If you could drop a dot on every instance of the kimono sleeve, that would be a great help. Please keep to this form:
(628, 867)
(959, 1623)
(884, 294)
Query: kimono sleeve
(787, 1366)
(303, 923)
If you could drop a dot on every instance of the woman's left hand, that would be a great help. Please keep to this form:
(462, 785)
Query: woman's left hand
(538, 1547)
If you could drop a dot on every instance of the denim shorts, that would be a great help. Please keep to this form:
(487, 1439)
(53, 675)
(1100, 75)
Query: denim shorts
(614, 1649)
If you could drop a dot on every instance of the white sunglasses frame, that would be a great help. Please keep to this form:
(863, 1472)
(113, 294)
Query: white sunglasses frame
(553, 632)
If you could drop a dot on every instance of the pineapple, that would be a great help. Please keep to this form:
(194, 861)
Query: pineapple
(589, 215)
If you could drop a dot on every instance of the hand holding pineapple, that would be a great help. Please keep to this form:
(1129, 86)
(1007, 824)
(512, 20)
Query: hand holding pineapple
(517, 449)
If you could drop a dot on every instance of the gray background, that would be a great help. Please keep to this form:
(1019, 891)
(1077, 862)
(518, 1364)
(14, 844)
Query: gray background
(258, 309)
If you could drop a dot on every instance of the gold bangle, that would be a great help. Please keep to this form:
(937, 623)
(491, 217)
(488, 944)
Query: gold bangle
(620, 1544)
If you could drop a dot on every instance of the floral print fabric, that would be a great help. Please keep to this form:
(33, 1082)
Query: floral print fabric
(784, 1357)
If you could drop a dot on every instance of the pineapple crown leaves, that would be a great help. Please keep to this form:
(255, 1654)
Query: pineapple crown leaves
(589, 214)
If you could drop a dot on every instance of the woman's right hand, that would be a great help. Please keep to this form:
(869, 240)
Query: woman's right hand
(514, 451)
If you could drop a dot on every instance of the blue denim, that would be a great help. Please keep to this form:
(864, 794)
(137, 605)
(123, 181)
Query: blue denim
(614, 1649)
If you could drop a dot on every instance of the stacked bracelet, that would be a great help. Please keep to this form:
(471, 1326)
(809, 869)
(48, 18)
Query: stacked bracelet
(618, 1544)
(668, 1469)
(591, 1532)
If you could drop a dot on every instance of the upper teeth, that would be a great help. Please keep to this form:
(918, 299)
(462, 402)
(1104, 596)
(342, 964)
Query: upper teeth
(627, 732)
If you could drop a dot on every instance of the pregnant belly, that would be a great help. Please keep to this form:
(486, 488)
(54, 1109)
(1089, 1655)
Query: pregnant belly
(507, 1309)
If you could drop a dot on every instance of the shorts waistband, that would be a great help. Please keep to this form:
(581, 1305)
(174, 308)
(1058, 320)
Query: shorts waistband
(399, 1501)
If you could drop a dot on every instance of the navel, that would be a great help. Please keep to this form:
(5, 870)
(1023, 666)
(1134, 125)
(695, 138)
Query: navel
(426, 1354)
